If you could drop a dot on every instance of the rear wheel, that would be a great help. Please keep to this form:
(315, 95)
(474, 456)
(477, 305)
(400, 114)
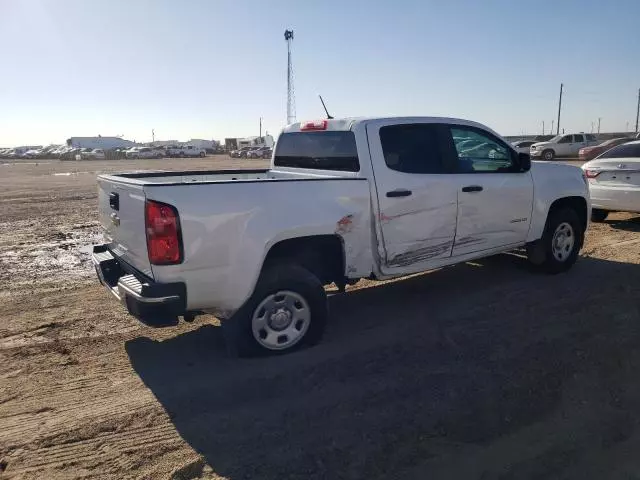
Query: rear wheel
(288, 309)
(548, 155)
(202, 154)
(598, 215)
(560, 244)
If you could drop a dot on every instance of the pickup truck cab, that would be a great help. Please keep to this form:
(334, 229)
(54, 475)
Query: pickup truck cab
(344, 199)
(568, 145)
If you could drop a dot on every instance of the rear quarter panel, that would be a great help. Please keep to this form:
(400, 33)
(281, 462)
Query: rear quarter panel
(228, 229)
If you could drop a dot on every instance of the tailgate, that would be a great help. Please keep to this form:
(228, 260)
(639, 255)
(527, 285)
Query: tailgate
(121, 207)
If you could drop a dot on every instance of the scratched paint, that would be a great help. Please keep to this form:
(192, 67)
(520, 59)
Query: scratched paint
(466, 241)
(344, 225)
(419, 255)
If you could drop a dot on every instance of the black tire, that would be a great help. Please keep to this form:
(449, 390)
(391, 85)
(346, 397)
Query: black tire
(548, 154)
(541, 253)
(202, 154)
(598, 215)
(238, 330)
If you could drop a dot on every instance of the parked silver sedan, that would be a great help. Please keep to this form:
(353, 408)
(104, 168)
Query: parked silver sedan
(614, 180)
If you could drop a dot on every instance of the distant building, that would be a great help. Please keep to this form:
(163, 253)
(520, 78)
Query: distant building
(163, 143)
(237, 143)
(105, 143)
(206, 144)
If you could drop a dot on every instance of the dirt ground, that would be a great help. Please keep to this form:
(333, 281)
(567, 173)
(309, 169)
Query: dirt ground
(481, 371)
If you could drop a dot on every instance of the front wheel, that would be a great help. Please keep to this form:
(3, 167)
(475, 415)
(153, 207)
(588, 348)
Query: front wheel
(598, 215)
(560, 244)
(288, 309)
(548, 155)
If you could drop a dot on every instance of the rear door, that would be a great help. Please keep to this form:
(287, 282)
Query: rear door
(121, 208)
(495, 197)
(417, 200)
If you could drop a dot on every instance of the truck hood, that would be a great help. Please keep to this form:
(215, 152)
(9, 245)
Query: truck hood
(542, 144)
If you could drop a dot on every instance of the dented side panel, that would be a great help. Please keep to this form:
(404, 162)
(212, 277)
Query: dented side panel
(499, 215)
(228, 230)
(413, 230)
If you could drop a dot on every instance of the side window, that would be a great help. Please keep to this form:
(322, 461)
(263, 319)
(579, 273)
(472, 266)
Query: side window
(578, 138)
(480, 152)
(412, 148)
(566, 139)
(590, 138)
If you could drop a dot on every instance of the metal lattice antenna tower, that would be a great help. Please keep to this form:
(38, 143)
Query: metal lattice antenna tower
(291, 96)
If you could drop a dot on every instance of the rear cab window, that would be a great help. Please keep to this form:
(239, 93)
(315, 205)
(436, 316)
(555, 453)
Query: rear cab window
(325, 150)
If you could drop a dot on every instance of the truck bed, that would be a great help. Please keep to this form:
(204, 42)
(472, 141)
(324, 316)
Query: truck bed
(152, 178)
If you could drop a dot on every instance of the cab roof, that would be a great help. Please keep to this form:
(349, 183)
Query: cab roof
(349, 123)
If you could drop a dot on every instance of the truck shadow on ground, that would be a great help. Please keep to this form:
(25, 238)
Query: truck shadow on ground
(631, 224)
(420, 378)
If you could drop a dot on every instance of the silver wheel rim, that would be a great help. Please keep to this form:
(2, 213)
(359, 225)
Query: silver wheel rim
(563, 241)
(281, 320)
(548, 156)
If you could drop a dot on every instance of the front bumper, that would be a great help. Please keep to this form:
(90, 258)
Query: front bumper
(145, 299)
(535, 153)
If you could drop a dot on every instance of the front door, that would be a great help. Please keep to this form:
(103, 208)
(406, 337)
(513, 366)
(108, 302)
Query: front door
(495, 197)
(417, 200)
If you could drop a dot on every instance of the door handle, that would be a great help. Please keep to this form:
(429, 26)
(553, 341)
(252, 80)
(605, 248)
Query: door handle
(472, 188)
(400, 192)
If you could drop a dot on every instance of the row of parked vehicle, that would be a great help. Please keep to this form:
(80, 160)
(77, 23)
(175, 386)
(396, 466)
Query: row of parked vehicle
(51, 151)
(581, 145)
(252, 152)
(73, 153)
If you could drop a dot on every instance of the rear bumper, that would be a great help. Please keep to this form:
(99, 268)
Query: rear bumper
(146, 300)
(621, 199)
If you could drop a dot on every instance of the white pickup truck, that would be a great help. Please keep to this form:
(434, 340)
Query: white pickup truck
(343, 200)
(562, 146)
(185, 151)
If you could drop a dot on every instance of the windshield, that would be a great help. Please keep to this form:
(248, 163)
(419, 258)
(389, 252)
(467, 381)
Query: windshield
(555, 139)
(627, 150)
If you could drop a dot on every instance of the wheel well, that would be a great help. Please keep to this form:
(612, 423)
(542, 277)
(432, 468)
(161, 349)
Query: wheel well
(578, 204)
(322, 255)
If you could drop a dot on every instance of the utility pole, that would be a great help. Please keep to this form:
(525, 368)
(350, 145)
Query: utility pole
(638, 111)
(260, 128)
(153, 135)
(599, 118)
(551, 131)
(591, 128)
(291, 98)
(542, 127)
(559, 108)
(626, 129)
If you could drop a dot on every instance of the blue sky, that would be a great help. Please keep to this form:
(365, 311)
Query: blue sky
(210, 69)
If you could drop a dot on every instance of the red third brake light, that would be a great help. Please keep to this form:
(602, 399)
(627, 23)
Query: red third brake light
(315, 125)
(164, 240)
(591, 173)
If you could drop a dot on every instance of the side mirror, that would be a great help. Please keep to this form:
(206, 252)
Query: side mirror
(525, 161)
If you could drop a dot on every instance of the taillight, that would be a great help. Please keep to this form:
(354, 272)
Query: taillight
(315, 125)
(164, 240)
(591, 173)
